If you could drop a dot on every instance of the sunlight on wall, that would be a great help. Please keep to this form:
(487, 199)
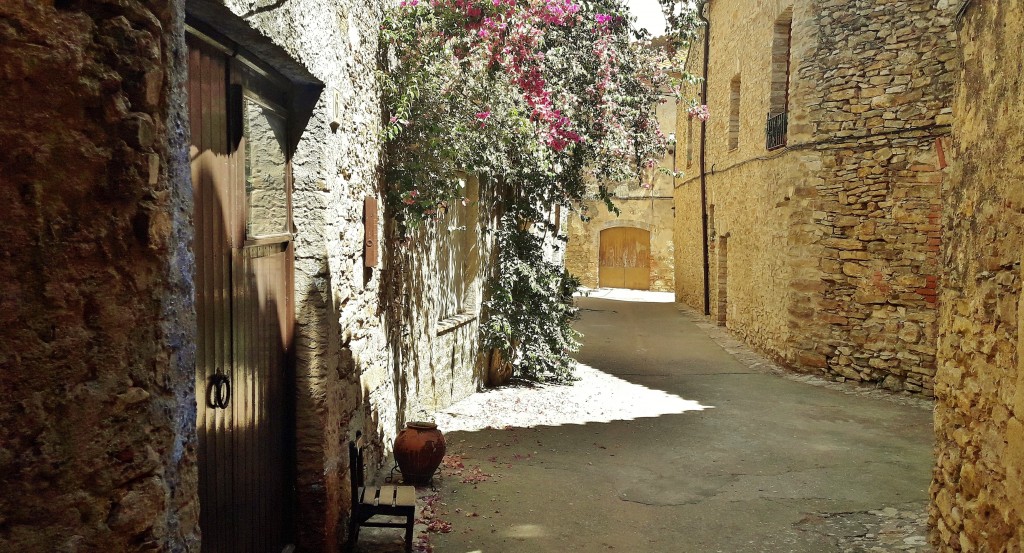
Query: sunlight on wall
(596, 397)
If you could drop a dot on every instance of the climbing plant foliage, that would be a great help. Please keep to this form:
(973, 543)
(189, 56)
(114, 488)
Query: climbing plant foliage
(544, 100)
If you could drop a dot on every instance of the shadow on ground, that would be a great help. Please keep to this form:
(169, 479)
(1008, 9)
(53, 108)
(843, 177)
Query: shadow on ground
(776, 465)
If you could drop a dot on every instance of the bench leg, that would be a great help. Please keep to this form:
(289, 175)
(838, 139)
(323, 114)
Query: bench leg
(410, 522)
(353, 536)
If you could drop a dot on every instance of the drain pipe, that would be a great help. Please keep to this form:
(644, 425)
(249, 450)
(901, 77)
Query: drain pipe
(703, 159)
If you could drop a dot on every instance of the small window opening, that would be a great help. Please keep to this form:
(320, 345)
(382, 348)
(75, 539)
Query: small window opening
(778, 110)
(734, 113)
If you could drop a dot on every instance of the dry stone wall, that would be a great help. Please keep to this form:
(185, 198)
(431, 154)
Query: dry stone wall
(881, 107)
(833, 240)
(97, 422)
(978, 483)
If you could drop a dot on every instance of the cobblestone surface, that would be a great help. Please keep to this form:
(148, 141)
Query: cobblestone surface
(890, 529)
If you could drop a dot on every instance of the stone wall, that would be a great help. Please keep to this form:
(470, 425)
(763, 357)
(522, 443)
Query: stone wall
(97, 422)
(647, 206)
(97, 430)
(833, 239)
(653, 214)
(369, 352)
(978, 484)
(444, 273)
(687, 227)
(882, 84)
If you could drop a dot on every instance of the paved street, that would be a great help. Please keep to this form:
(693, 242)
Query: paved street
(740, 460)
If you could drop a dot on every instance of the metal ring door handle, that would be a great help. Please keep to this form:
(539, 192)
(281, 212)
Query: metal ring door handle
(218, 392)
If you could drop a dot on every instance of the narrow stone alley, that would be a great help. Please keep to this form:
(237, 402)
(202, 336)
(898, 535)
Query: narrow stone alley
(741, 459)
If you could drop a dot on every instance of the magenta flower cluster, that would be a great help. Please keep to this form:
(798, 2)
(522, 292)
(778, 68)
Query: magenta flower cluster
(699, 111)
(509, 34)
(533, 45)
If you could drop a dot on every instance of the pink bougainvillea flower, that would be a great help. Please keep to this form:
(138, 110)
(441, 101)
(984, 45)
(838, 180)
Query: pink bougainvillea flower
(701, 112)
(602, 19)
(414, 193)
(482, 117)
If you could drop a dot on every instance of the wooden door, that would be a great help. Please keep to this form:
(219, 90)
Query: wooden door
(625, 260)
(244, 264)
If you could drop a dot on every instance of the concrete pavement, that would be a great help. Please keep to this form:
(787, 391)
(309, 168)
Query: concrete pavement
(770, 465)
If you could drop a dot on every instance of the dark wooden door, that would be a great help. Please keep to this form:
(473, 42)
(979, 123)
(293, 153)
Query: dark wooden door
(244, 265)
(624, 258)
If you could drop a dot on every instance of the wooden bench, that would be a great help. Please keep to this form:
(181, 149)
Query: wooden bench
(370, 501)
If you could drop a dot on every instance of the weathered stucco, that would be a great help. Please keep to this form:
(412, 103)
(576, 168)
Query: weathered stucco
(978, 485)
(830, 243)
(687, 226)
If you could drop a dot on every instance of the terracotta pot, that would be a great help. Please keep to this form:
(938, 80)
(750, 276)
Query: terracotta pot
(419, 449)
(499, 372)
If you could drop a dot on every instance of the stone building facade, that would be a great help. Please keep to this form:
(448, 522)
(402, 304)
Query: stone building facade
(645, 222)
(978, 484)
(823, 164)
(103, 358)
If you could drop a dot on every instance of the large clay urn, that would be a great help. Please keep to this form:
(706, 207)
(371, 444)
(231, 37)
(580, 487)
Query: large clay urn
(419, 449)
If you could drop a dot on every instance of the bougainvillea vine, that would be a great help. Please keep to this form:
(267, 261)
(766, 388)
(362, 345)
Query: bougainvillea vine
(543, 100)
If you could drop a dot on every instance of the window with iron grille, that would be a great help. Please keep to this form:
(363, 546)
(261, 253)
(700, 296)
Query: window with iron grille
(776, 127)
(775, 130)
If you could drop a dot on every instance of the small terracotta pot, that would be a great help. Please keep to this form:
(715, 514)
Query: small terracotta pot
(419, 450)
(499, 373)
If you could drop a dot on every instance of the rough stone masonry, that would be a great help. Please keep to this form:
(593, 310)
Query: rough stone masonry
(825, 252)
(978, 484)
(97, 427)
(97, 422)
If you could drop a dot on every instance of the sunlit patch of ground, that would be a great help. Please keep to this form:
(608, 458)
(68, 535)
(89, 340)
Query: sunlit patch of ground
(595, 397)
(621, 294)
